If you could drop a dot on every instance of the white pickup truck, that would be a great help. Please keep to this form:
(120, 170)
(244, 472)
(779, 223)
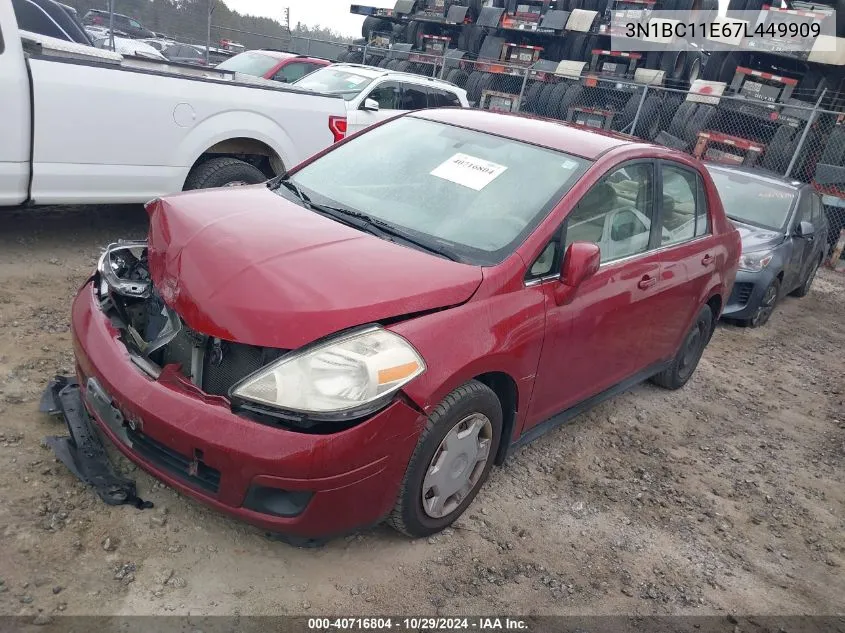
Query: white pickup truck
(80, 125)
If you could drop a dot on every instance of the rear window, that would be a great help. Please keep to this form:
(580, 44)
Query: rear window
(250, 63)
(753, 201)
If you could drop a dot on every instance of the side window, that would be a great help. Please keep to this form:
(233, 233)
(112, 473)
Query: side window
(818, 211)
(291, 72)
(544, 263)
(134, 24)
(616, 213)
(414, 97)
(438, 98)
(387, 95)
(680, 191)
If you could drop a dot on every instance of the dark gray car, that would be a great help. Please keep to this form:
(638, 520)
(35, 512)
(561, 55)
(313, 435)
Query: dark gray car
(784, 239)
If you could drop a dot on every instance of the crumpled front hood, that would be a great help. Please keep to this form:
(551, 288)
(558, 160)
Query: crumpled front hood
(755, 238)
(246, 265)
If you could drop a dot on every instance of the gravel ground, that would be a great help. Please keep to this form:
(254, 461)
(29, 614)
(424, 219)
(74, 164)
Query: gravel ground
(725, 497)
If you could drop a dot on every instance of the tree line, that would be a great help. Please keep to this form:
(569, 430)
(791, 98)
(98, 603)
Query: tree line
(187, 21)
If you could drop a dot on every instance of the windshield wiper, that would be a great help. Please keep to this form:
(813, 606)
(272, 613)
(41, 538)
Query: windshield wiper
(379, 228)
(292, 186)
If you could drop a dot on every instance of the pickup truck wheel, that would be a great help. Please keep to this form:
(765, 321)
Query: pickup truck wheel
(223, 172)
(451, 461)
(683, 365)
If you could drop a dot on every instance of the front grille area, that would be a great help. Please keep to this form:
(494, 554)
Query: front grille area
(165, 458)
(224, 363)
(741, 293)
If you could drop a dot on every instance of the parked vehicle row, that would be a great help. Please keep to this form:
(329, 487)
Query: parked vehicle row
(189, 128)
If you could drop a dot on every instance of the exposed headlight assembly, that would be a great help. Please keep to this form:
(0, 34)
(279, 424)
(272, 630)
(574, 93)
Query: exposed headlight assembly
(345, 377)
(118, 268)
(755, 261)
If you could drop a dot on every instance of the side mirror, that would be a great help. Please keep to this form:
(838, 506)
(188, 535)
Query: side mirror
(580, 262)
(371, 105)
(805, 229)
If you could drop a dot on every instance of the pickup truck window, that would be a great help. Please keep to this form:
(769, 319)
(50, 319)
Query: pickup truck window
(335, 81)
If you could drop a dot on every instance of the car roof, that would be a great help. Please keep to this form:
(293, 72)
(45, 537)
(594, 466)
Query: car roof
(375, 72)
(121, 15)
(564, 137)
(756, 173)
(274, 54)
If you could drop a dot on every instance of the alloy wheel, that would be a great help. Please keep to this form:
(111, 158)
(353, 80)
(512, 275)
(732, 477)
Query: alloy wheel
(457, 465)
(766, 307)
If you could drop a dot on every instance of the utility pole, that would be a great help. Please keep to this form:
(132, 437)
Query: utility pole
(208, 33)
(111, 24)
(286, 17)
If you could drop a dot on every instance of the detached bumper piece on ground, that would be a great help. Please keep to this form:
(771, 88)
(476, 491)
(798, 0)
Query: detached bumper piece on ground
(83, 452)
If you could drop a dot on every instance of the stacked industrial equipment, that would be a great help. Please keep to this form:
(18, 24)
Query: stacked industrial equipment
(766, 103)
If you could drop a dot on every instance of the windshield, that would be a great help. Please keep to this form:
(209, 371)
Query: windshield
(750, 200)
(473, 195)
(335, 81)
(250, 63)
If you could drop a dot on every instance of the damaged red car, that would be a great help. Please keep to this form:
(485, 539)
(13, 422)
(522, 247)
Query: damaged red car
(364, 337)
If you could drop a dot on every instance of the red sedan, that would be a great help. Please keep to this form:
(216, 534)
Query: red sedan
(363, 338)
(275, 65)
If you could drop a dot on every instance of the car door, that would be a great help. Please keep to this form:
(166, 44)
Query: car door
(388, 95)
(802, 247)
(688, 256)
(598, 340)
(15, 121)
(440, 98)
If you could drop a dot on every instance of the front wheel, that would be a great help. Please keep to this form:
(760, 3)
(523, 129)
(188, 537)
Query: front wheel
(452, 459)
(804, 289)
(683, 365)
(767, 305)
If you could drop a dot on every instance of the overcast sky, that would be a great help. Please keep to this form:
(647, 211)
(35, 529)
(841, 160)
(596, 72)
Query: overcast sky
(331, 13)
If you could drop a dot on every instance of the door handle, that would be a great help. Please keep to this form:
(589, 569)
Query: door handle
(646, 282)
(708, 259)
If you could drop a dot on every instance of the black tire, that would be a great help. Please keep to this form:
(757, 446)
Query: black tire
(648, 125)
(473, 86)
(356, 57)
(553, 108)
(532, 96)
(545, 106)
(404, 66)
(692, 70)
(392, 64)
(475, 40)
(673, 64)
(375, 60)
(779, 150)
(626, 116)
(767, 305)
(810, 87)
(375, 25)
(475, 7)
(554, 52)
(686, 360)
(804, 289)
(343, 57)
(223, 172)
(652, 60)
(577, 47)
(458, 77)
(488, 81)
(834, 150)
(408, 515)
(713, 69)
(574, 95)
(411, 33)
(681, 118)
(702, 118)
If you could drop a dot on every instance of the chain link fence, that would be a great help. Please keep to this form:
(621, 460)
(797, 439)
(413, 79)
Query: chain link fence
(795, 139)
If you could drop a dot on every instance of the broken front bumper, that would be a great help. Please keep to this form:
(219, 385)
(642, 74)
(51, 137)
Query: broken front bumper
(196, 444)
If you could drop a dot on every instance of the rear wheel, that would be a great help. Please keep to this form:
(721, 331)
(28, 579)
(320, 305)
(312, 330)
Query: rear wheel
(686, 360)
(767, 305)
(452, 459)
(223, 172)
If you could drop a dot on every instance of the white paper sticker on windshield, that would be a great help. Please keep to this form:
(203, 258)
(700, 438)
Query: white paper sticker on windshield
(569, 164)
(469, 171)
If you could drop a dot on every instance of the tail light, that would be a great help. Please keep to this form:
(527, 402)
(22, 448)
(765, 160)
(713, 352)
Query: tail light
(337, 124)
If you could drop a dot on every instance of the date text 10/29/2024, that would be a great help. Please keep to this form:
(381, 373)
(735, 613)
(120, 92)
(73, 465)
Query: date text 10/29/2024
(417, 624)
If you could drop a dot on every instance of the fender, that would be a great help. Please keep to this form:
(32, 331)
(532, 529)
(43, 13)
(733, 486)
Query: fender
(509, 345)
(230, 125)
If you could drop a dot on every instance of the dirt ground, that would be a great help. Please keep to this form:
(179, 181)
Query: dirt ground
(725, 497)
